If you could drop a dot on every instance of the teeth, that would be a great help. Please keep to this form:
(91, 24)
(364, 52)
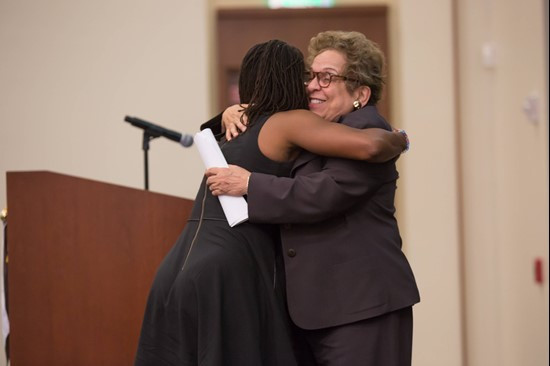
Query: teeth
(316, 101)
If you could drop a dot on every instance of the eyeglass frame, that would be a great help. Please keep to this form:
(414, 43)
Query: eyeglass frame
(312, 75)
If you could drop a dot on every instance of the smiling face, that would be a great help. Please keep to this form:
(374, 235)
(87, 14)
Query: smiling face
(335, 100)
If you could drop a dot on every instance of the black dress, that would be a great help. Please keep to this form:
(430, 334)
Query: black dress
(218, 296)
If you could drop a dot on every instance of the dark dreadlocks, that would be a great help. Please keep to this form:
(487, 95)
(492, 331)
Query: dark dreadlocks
(272, 79)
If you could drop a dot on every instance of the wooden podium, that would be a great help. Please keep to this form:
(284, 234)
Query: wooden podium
(82, 257)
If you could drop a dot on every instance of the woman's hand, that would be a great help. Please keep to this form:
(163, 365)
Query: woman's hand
(232, 181)
(231, 121)
(407, 142)
(387, 145)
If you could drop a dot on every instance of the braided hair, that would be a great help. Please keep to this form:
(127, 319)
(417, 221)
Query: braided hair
(271, 79)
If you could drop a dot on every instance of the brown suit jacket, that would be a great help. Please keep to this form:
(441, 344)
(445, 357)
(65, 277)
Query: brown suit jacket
(342, 248)
(341, 242)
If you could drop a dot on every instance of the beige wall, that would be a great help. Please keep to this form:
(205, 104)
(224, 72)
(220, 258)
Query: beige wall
(429, 197)
(473, 201)
(70, 72)
(505, 181)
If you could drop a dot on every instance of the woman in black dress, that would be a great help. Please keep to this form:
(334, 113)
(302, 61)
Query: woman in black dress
(218, 296)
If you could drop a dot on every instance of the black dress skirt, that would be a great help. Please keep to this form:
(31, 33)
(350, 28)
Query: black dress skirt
(218, 296)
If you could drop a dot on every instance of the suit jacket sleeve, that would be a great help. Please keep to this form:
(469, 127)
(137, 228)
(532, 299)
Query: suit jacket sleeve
(215, 124)
(316, 196)
(331, 189)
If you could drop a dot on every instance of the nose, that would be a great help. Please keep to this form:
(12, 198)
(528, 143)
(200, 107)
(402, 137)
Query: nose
(313, 85)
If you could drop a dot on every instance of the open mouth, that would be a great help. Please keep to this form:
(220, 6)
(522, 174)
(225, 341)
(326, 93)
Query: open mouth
(316, 101)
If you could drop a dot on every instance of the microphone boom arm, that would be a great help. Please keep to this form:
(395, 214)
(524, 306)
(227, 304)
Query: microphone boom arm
(151, 131)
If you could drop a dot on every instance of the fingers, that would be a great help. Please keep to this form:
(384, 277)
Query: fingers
(214, 190)
(240, 126)
(214, 179)
(215, 185)
(216, 171)
(228, 134)
(212, 184)
(234, 130)
(212, 171)
(227, 181)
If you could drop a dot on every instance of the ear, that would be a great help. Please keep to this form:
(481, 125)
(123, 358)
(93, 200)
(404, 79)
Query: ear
(362, 94)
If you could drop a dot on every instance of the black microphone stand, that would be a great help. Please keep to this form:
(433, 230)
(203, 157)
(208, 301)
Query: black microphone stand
(147, 136)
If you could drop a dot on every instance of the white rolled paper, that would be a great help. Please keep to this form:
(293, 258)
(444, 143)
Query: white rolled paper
(234, 208)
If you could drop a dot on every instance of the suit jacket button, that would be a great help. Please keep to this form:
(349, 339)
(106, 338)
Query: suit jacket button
(291, 253)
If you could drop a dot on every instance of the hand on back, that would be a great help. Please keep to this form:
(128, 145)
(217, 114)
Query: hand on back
(231, 121)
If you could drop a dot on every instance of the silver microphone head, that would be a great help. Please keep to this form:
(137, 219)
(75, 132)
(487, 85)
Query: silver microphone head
(186, 140)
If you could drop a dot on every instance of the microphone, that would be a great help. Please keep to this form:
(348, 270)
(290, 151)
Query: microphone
(156, 131)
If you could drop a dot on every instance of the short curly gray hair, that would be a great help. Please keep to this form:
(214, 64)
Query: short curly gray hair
(365, 60)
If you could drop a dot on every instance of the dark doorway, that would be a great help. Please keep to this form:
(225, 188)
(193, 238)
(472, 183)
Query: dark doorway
(239, 29)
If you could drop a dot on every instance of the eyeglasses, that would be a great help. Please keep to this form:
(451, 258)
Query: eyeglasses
(323, 78)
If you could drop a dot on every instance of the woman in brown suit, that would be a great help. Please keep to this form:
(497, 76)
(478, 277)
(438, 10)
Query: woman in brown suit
(350, 289)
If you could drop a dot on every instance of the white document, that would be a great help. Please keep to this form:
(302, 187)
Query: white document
(234, 208)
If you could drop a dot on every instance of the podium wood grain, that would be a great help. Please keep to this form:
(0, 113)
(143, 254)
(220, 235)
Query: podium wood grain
(82, 256)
